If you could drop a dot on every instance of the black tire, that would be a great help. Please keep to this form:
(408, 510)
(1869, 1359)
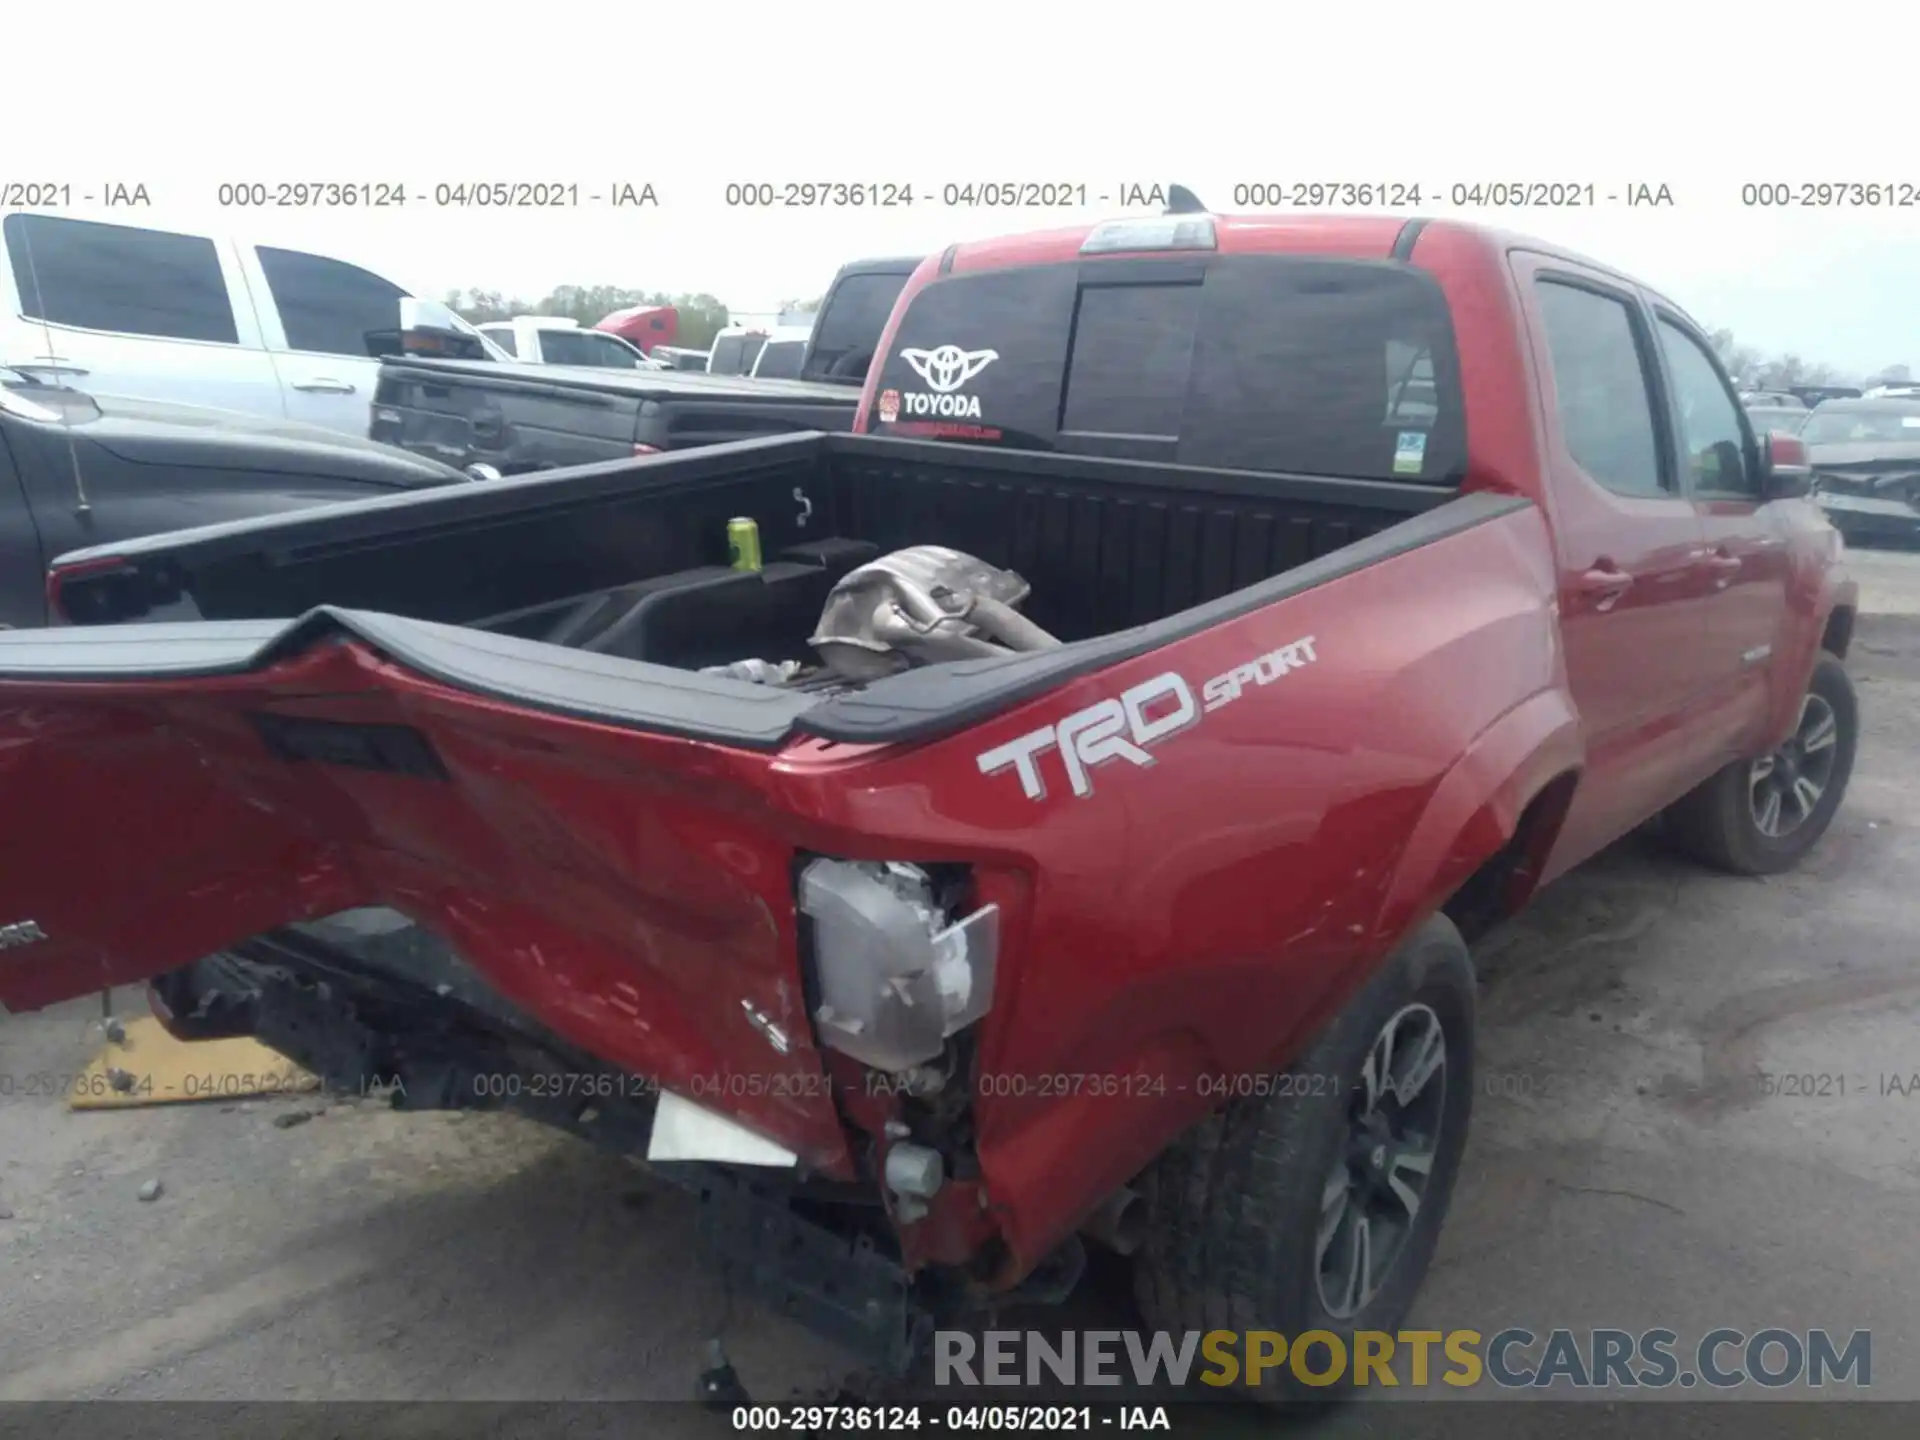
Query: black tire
(1236, 1205)
(1716, 823)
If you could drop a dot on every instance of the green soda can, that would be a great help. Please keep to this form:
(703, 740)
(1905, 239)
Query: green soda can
(743, 543)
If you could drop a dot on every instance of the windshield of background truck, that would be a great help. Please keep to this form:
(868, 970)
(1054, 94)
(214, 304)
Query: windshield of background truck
(1777, 417)
(1891, 422)
(1305, 365)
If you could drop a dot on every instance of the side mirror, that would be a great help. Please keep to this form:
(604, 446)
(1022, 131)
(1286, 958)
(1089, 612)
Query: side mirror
(1785, 469)
(428, 327)
(480, 470)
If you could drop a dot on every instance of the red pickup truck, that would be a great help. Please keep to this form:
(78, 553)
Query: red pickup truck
(1061, 815)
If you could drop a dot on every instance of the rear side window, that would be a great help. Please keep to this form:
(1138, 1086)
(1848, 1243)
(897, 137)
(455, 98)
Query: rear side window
(119, 278)
(574, 347)
(734, 354)
(1289, 363)
(780, 361)
(328, 306)
(1600, 388)
(503, 336)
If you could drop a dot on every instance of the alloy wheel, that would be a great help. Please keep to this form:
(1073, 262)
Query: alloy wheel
(1373, 1194)
(1785, 788)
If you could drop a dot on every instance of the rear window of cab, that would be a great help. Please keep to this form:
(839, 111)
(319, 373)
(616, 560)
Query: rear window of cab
(1296, 364)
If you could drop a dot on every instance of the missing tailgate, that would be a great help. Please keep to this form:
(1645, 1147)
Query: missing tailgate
(395, 749)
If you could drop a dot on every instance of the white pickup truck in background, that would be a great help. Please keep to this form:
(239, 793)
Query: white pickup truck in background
(554, 340)
(195, 319)
(783, 353)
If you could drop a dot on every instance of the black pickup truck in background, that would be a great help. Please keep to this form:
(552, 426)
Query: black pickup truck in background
(522, 418)
(442, 395)
(79, 470)
(854, 311)
(518, 419)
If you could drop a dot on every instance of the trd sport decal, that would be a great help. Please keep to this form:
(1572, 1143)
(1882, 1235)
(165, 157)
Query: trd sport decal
(1128, 727)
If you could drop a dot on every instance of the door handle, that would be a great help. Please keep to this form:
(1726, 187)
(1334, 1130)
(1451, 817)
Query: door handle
(1723, 563)
(1606, 582)
(324, 385)
(52, 364)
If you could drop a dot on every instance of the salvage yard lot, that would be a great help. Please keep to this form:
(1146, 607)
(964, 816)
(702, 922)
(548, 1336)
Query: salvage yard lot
(1628, 1166)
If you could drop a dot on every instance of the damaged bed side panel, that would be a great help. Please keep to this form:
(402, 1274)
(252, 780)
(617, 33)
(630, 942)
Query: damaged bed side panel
(652, 926)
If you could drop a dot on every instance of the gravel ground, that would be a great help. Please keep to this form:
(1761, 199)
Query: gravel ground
(1628, 1172)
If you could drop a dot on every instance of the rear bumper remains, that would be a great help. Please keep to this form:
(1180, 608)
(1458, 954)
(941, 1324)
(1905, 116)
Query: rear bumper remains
(386, 1011)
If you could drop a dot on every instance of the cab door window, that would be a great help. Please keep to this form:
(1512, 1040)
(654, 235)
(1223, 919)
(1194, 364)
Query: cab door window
(1712, 439)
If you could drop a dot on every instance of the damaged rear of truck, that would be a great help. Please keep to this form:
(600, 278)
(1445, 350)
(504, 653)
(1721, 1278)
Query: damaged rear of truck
(1047, 840)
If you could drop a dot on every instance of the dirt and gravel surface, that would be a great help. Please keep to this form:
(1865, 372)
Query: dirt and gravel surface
(1627, 1166)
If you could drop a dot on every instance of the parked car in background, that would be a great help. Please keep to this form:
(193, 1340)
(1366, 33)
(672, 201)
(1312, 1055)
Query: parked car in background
(735, 349)
(201, 319)
(1813, 395)
(678, 357)
(846, 332)
(1787, 419)
(646, 327)
(555, 340)
(1146, 699)
(780, 358)
(1893, 390)
(1865, 456)
(80, 469)
(1773, 399)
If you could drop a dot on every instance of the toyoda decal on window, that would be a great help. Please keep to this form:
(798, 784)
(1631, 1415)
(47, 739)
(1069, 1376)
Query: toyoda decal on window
(1128, 727)
(945, 368)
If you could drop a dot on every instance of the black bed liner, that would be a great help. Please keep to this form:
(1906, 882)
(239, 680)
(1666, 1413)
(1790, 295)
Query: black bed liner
(454, 557)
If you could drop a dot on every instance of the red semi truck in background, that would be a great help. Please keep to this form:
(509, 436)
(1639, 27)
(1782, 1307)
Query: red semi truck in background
(1073, 830)
(643, 326)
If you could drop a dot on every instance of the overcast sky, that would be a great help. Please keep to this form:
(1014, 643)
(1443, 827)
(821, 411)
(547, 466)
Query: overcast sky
(186, 96)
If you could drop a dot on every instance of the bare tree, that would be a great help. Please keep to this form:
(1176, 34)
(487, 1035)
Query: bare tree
(1752, 370)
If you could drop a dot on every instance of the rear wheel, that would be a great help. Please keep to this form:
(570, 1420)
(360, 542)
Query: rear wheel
(1762, 816)
(1316, 1204)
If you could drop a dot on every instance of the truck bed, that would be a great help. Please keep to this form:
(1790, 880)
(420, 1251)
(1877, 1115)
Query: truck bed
(628, 562)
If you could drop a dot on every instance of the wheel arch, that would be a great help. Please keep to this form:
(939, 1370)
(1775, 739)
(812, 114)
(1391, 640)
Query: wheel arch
(1837, 637)
(1830, 625)
(1479, 849)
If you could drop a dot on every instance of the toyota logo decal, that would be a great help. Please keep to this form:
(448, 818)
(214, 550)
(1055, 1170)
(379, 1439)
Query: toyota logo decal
(948, 367)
